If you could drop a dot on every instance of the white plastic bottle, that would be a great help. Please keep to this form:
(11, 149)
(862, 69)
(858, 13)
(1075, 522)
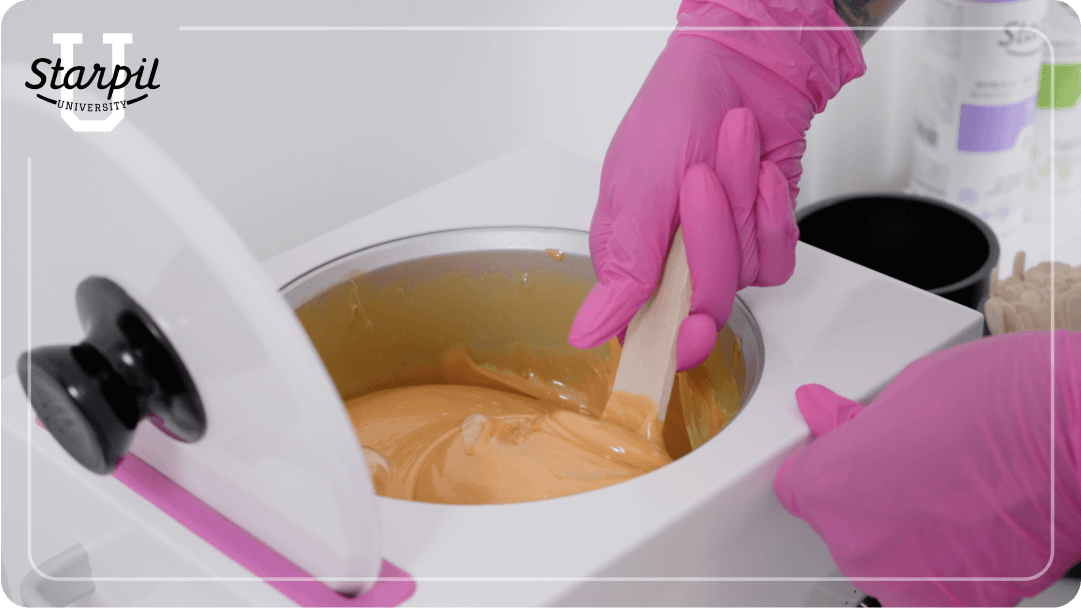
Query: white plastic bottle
(1061, 70)
(975, 112)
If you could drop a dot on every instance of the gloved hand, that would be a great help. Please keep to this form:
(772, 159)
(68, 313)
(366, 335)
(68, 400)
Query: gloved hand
(949, 473)
(713, 142)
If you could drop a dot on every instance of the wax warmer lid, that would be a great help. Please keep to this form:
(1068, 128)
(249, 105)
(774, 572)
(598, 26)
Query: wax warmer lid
(279, 456)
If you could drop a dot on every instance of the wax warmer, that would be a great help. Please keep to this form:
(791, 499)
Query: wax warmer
(384, 317)
(272, 504)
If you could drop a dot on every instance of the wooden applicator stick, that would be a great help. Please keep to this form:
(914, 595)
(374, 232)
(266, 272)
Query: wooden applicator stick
(648, 363)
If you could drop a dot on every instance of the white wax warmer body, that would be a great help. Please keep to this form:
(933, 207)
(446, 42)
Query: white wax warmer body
(705, 529)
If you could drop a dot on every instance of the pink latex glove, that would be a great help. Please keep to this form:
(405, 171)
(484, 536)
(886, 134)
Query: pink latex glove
(948, 473)
(713, 142)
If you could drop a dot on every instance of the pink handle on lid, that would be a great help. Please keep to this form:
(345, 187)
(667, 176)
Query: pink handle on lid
(393, 587)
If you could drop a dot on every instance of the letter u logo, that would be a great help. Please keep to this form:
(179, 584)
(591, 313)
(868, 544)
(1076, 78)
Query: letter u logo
(67, 44)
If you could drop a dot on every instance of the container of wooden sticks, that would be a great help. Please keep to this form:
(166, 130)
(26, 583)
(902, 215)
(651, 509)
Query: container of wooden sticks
(1046, 296)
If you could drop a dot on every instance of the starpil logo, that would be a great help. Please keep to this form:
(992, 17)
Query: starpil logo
(64, 76)
(1021, 38)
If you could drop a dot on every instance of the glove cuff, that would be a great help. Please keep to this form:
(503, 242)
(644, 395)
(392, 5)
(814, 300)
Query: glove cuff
(816, 62)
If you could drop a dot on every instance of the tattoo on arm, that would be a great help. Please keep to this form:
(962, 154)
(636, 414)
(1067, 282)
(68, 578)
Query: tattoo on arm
(865, 16)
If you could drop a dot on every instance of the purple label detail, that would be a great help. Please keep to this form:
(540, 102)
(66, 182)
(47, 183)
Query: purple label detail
(993, 128)
(968, 196)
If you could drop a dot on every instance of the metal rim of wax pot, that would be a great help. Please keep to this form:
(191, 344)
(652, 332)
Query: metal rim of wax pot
(500, 249)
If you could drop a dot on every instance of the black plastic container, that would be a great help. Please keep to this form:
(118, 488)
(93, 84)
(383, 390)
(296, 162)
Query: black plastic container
(923, 242)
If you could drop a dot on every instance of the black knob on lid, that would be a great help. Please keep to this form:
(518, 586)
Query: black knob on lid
(92, 395)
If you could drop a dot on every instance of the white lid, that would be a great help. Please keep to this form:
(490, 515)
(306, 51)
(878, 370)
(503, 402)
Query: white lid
(279, 457)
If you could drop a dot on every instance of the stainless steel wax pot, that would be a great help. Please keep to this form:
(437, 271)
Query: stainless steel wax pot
(385, 316)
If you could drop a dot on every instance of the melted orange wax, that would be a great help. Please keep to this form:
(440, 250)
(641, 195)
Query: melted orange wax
(470, 444)
(396, 342)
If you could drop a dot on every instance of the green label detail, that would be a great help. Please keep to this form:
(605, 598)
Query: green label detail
(1067, 85)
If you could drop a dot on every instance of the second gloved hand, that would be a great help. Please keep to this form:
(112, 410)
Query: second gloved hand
(713, 142)
(960, 484)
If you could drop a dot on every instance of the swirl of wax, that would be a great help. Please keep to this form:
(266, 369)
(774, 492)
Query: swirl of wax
(461, 444)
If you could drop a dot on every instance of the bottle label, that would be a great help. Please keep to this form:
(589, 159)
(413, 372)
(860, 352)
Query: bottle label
(976, 112)
(1065, 80)
(993, 128)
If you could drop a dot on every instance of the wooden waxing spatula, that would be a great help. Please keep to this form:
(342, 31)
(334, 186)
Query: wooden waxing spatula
(647, 366)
